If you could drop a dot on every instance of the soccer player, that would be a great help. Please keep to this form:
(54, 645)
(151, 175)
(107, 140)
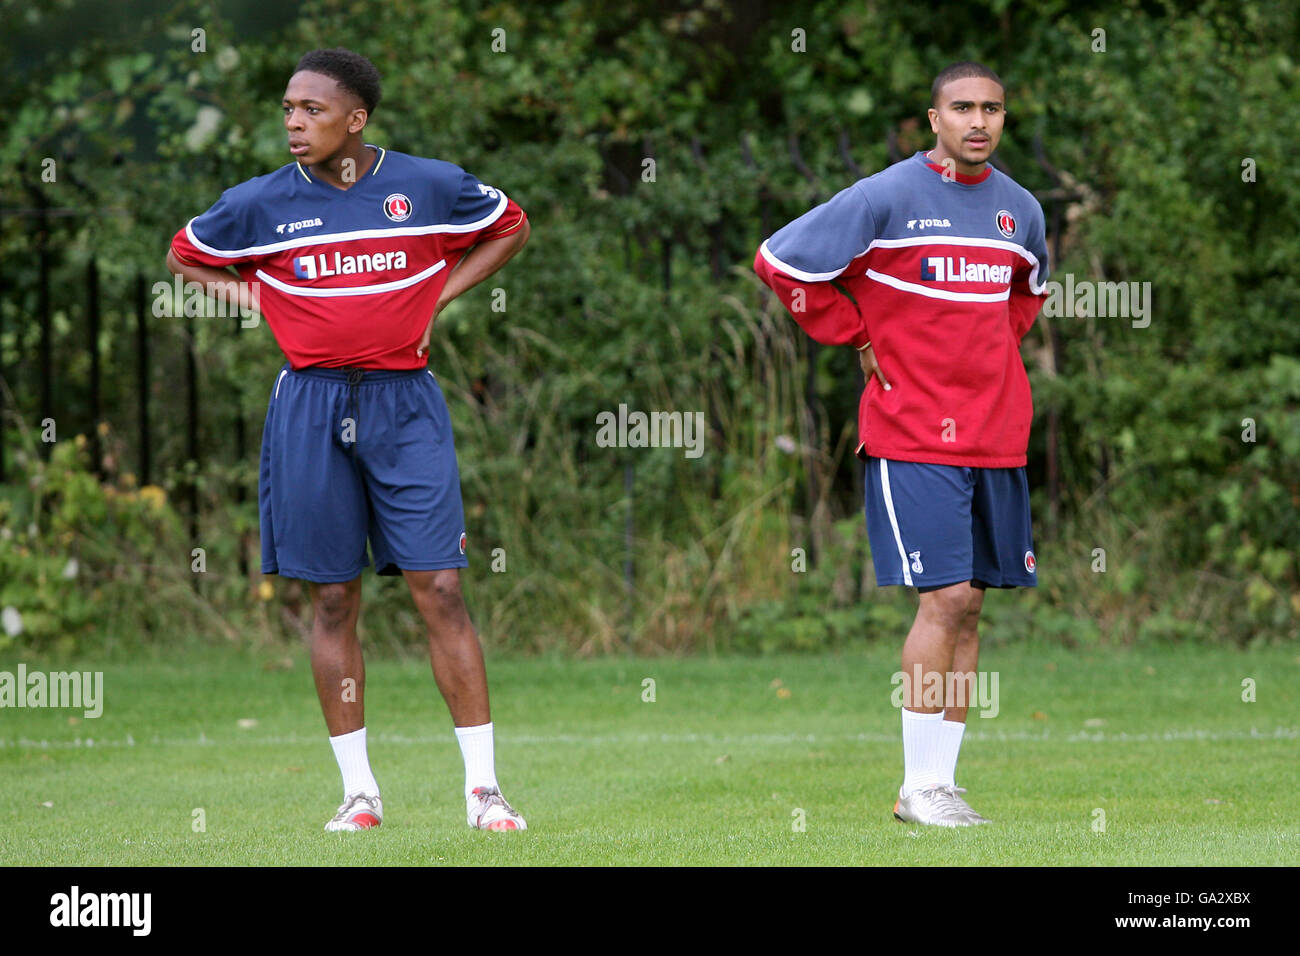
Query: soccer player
(351, 251)
(934, 270)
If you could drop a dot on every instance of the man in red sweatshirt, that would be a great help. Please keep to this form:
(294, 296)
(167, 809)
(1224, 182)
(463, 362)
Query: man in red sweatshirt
(934, 270)
(350, 251)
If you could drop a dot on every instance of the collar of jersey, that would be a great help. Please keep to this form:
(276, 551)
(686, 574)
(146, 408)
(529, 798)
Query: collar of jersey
(960, 177)
(373, 169)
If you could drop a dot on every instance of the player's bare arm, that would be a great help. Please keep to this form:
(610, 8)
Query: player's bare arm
(223, 281)
(481, 261)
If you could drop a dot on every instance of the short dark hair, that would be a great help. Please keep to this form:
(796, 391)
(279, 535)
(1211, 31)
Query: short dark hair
(352, 71)
(962, 71)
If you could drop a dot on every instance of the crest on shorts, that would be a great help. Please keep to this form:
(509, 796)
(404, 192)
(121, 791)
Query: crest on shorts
(397, 207)
(462, 542)
(1006, 223)
(916, 562)
(1031, 565)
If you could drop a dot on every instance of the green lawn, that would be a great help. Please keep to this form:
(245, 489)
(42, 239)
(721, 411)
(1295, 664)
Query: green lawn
(711, 772)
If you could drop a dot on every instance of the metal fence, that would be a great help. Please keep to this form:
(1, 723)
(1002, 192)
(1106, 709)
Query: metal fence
(41, 392)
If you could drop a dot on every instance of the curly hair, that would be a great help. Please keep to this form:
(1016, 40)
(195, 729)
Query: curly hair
(352, 71)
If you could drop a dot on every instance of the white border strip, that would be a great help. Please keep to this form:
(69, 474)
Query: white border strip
(893, 519)
(794, 273)
(244, 741)
(353, 289)
(344, 236)
(1034, 286)
(938, 293)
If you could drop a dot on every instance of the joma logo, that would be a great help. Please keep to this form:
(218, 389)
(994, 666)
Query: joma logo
(292, 227)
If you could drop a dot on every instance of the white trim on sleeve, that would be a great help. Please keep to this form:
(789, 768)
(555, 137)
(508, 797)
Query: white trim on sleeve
(794, 273)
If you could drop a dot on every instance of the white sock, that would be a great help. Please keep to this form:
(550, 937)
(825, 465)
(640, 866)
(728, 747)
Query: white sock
(921, 744)
(950, 734)
(350, 752)
(477, 749)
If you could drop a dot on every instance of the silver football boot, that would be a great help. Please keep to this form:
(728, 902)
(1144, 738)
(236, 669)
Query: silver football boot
(936, 806)
(975, 818)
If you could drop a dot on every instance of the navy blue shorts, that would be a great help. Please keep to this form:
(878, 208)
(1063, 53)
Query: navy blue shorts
(935, 525)
(348, 455)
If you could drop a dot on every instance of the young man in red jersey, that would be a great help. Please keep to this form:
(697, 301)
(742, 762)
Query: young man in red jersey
(934, 270)
(352, 251)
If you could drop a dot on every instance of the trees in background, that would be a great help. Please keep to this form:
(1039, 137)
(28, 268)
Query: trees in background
(654, 146)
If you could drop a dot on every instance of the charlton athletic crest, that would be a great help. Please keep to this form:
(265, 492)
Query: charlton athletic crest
(1030, 564)
(462, 542)
(1006, 223)
(397, 207)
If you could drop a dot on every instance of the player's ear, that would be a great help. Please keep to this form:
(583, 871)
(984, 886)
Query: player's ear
(357, 121)
(934, 119)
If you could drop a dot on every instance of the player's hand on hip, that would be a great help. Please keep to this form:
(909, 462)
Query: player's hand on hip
(423, 348)
(867, 359)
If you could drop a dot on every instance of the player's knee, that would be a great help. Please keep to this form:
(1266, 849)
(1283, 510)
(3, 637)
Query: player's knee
(335, 604)
(950, 606)
(442, 590)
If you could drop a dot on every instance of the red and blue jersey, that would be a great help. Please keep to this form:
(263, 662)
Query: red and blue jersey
(944, 275)
(350, 277)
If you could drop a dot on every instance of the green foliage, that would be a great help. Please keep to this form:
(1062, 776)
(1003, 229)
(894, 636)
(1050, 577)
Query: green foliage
(73, 550)
(636, 288)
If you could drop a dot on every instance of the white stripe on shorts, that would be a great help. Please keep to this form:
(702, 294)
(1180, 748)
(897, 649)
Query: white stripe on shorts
(893, 520)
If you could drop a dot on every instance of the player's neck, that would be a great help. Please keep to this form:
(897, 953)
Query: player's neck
(338, 172)
(939, 157)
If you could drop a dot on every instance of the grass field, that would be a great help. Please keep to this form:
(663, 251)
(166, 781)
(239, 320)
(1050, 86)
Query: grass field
(713, 771)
